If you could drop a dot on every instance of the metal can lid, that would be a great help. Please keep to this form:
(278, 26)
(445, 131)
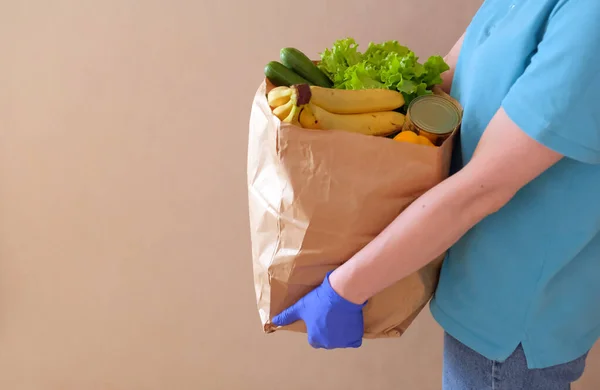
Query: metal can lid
(434, 114)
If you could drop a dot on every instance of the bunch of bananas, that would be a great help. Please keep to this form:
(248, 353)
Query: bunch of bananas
(284, 101)
(367, 111)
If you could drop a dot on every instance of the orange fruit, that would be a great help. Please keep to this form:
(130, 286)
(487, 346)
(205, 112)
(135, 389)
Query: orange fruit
(407, 136)
(425, 141)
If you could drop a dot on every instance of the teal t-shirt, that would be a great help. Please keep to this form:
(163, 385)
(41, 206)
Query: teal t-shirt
(530, 273)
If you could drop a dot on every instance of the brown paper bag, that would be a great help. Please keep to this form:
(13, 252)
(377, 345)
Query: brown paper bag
(317, 197)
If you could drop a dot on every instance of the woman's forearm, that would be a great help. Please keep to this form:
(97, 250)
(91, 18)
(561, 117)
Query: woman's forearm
(422, 232)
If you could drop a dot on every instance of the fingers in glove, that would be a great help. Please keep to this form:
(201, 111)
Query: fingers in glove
(288, 316)
(314, 343)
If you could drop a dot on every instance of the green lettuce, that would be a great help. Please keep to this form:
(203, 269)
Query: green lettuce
(343, 55)
(385, 65)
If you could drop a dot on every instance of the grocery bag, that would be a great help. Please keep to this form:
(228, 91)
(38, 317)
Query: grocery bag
(316, 197)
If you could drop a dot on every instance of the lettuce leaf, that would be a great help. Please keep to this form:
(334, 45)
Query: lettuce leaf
(384, 65)
(361, 76)
(342, 55)
(434, 67)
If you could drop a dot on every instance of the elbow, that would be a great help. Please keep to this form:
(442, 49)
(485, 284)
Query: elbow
(482, 194)
(492, 200)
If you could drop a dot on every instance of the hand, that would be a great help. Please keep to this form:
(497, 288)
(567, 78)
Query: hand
(331, 321)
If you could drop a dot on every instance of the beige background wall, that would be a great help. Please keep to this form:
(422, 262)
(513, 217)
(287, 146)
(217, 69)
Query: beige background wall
(124, 249)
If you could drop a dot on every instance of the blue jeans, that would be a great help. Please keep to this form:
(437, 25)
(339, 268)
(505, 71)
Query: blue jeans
(465, 369)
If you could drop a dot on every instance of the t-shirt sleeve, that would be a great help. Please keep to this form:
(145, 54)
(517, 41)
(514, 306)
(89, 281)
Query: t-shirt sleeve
(556, 100)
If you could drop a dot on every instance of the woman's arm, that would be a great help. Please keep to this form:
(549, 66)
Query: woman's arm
(451, 59)
(506, 159)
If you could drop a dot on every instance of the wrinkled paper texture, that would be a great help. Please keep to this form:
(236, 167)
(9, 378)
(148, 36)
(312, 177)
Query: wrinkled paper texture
(318, 197)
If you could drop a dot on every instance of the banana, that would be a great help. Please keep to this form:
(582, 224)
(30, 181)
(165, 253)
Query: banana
(279, 96)
(288, 103)
(300, 98)
(373, 123)
(345, 101)
(364, 111)
(307, 118)
(284, 110)
(293, 115)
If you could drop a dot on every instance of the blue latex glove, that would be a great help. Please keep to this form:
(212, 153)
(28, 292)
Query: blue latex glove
(331, 321)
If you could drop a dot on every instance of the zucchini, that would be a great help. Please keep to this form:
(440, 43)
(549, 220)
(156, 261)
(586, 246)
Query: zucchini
(280, 75)
(302, 65)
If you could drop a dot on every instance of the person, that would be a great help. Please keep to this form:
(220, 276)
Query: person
(519, 215)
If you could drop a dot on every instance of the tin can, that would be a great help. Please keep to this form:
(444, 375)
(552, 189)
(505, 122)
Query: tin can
(432, 116)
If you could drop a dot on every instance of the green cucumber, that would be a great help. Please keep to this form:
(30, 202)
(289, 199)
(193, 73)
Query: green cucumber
(302, 65)
(280, 75)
